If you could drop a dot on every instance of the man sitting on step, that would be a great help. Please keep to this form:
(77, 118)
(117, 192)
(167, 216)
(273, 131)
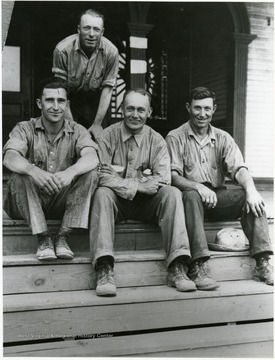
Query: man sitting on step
(133, 184)
(54, 162)
(201, 156)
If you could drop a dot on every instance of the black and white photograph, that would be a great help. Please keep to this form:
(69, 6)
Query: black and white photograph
(137, 179)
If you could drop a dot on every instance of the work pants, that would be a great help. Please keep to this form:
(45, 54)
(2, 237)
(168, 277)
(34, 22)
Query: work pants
(165, 208)
(72, 204)
(229, 207)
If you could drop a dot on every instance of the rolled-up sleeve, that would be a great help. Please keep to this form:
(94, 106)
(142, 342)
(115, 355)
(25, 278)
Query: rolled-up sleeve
(175, 154)
(84, 140)
(232, 158)
(161, 163)
(125, 188)
(60, 64)
(18, 140)
(111, 69)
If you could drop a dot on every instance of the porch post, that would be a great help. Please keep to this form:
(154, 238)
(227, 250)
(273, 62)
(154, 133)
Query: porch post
(240, 87)
(7, 8)
(138, 45)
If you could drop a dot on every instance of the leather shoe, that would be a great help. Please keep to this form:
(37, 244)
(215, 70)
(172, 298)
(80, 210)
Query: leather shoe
(177, 278)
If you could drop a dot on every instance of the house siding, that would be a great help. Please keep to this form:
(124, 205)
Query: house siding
(259, 111)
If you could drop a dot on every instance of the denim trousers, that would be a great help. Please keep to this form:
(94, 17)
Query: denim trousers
(72, 204)
(165, 208)
(230, 203)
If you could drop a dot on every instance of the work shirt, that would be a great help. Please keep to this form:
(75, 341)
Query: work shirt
(82, 73)
(144, 152)
(30, 140)
(210, 160)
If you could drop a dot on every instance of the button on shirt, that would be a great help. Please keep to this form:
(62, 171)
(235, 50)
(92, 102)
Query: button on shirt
(146, 150)
(209, 160)
(30, 140)
(72, 64)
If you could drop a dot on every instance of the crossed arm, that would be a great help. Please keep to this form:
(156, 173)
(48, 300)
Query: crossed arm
(47, 182)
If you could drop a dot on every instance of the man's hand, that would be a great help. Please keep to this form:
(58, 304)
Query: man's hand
(64, 178)
(95, 130)
(209, 197)
(47, 183)
(150, 187)
(106, 169)
(255, 203)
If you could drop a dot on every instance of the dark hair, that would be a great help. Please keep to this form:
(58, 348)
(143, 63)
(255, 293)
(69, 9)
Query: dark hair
(91, 12)
(139, 91)
(52, 83)
(201, 92)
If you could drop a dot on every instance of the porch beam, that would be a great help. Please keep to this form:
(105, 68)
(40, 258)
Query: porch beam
(240, 87)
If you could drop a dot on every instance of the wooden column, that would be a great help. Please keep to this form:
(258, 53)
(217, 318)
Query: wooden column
(7, 8)
(138, 45)
(240, 87)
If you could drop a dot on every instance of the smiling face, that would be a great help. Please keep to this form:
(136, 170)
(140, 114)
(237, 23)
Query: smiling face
(53, 104)
(90, 32)
(136, 110)
(201, 112)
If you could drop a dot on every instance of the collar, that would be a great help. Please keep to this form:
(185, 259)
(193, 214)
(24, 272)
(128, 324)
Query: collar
(126, 134)
(211, 132)
(67, 127)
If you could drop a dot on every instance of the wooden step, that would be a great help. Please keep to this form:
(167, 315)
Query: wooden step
(244, 340)
(131, 235)
(80, 313)
(26, 274)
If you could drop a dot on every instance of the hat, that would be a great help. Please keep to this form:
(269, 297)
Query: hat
(230, 239)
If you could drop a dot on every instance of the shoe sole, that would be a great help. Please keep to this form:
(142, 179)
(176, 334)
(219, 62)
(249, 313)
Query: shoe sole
(208, 288)
(46, 257)
(171, 285)
(65, 256)
(256, 278)
(106, 294)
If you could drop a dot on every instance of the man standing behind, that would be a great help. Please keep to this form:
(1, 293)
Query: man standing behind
(89, 63)
(138, 192)
(201, 157)
(52, 159)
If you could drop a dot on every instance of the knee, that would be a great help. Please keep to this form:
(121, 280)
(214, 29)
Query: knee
(171, 194)
(21, 181)
(191, 196)
(103, 194)
(91, 177)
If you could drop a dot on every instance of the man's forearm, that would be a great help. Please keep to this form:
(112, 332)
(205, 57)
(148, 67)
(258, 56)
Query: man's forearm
(104, 102)
(17, 163)
(182, 183)
(85, 163)
(244, 178)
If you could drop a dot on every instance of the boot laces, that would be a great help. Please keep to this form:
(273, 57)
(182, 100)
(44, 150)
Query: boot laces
(62, 241)
(45, 243)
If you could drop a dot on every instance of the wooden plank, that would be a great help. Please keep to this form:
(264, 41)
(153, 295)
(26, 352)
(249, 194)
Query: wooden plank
(257, 350)
(80, 276)
(159, 343)
(59, 300)
(26, 274)
(128, 312)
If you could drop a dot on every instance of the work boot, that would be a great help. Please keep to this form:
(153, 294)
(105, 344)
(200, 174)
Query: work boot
(177, 278)
(199, 274)
(62, 248)
(105, 285)
(264, 271)
(45, 250)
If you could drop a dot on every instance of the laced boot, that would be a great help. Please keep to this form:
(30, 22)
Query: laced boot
(105, 285)
(62, 248)
(199, 274)
(263, 270)
(177, 278)
(45, 250)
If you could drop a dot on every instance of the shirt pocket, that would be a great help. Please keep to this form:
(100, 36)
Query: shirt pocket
(97, 78)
